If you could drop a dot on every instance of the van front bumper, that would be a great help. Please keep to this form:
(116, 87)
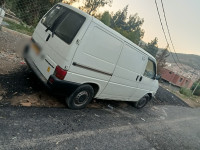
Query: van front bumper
(54, 84)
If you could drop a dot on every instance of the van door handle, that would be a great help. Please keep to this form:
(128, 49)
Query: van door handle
(137, 77)
(48, 37)
(140, 78)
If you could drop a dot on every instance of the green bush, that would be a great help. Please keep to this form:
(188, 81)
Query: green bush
(197, 91)
(186, 92)
(20, 27)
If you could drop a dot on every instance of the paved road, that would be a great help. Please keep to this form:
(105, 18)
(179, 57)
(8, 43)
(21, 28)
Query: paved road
(154, 127)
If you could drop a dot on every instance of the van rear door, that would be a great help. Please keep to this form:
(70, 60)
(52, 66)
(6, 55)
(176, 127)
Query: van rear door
(55, 35)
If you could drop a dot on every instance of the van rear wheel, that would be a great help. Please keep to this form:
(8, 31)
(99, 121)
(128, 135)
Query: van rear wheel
(80, 97)
(142, 102)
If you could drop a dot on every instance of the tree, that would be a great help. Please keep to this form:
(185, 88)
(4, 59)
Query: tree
(196, 88)
(119, 18)
(91, 6)
(2, 2)
(69, 2)
(152, 47)
(106, 18)
(161, 59)
(134, 22)
(130, 27)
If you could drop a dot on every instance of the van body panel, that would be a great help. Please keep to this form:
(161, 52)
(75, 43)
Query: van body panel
(99, 51)
(123, 84)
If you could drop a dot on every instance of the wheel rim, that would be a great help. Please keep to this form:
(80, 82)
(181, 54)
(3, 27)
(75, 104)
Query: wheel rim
(142, 102)
(81, 98)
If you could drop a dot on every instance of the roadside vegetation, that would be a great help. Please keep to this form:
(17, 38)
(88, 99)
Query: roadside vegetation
(185, 95)
(194, 91)
(186, 92)
(191, 94)
(20, 27)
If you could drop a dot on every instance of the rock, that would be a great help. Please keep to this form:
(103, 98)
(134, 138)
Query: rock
(26, 104)
(96, 115)
(109, 106)
(15, 93)
(22, 62)
(29, 130)
(1, 97)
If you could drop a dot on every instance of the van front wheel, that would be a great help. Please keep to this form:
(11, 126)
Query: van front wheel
(80, 97)
(142, 102)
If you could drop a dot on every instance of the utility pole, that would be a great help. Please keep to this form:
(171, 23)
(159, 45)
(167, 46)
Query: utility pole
(196, 87)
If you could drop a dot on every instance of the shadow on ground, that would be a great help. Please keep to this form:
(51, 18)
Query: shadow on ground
(20, 81)
(23, 87)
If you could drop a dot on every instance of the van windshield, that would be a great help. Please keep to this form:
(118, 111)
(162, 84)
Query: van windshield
(63, 22)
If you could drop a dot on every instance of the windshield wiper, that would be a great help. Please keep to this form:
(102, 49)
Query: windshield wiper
(53, 27)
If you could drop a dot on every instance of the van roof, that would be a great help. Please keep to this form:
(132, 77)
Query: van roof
(109, 29)
(76, 10)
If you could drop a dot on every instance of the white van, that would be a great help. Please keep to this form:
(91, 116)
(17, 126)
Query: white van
(72, 52)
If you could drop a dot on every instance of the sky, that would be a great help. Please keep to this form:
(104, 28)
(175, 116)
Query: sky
(183, 17)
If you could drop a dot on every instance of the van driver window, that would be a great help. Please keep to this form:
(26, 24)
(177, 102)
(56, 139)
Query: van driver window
(150, 70)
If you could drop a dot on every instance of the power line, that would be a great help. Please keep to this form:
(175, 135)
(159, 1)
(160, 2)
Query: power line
(165, 34)
(169, 33)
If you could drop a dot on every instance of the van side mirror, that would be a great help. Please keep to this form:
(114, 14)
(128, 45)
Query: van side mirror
(158, 77)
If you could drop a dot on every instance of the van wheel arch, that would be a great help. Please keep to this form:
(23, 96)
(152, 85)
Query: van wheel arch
(150, 96)
(95, 87)
(142, 102)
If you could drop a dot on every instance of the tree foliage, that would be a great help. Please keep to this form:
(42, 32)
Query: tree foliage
(161, 59)
(152, 47)
(130, 27)
(197, 91)
(106, 18)
(119, 19)
(2, 2)
(91, 6)
(69, 2)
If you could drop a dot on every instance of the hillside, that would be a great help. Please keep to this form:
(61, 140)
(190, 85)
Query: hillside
(186, 59)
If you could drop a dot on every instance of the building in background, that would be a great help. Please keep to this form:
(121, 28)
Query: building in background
(176, 79)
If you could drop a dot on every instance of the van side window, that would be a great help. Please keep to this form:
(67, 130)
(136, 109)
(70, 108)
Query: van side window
(69, 27)
(150, 70)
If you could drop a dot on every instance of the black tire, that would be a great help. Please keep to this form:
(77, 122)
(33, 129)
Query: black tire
(81, 97)
(142, 102)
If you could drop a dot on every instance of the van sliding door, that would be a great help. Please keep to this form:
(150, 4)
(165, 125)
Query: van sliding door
(123, 84)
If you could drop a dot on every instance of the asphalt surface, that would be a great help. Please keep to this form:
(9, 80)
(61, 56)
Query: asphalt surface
(154, 127)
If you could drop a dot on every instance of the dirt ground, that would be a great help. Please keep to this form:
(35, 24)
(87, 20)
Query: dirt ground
(20, 87)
